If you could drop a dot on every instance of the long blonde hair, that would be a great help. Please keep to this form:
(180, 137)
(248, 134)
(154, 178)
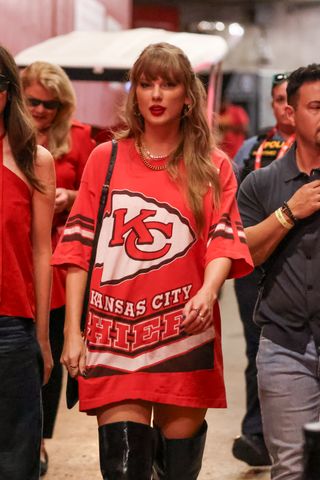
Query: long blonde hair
(55, 80)
(197, 143)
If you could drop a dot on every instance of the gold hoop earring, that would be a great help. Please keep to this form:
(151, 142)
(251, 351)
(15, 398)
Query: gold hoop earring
(186, 110)
(136, 111)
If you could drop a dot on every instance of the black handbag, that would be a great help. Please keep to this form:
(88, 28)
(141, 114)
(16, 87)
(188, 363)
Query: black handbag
(72, 393)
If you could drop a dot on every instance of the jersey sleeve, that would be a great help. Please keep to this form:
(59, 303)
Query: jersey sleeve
(75, 245)
(226, 236)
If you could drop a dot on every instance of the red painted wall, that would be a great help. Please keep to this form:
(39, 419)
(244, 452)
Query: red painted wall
(24, 23)
(156, 16)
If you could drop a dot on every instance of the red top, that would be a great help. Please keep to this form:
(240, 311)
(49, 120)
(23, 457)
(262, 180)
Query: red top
(69, 168)
(17, 290)
(235, 122)
(149, 263)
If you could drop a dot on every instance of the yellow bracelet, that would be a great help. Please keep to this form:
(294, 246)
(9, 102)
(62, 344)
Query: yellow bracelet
(281, 219)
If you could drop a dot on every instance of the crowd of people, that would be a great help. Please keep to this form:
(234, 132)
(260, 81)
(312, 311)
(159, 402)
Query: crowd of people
(143, 230)
(258, 152)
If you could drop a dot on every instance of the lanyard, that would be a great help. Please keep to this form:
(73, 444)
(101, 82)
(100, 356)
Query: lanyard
(284, 148)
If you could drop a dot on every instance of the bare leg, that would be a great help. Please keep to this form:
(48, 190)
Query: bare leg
(132, 411)
(178, 422)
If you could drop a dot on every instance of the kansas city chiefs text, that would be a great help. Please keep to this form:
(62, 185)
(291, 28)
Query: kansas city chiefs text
(125, 308)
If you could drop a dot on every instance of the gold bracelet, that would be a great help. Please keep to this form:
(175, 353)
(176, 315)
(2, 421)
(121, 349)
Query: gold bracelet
(281, 219)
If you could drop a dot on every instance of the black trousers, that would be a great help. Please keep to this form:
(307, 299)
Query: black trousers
(51, 392)
(246, 289)
(21, 370)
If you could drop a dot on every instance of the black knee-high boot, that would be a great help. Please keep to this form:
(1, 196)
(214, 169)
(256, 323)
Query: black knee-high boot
(179, 459)
(311, 454)
(126, 451)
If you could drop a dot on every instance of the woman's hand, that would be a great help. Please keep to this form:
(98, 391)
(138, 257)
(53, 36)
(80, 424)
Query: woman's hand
(64, 199)
(47, 359)
(198, 312)
(73, 355)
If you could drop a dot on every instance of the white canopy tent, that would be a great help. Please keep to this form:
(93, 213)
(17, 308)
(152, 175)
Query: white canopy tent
(107, 56)
(105, 52)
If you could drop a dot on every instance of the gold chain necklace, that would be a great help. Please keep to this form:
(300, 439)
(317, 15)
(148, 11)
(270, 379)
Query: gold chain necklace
(149, 165)
(148, 154)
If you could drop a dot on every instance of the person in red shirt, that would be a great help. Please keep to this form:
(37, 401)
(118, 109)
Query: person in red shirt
(233, 123)
(51, 101)
(27, 192)
(171, 234)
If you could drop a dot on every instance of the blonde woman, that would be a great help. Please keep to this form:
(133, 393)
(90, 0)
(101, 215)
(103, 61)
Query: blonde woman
(51, 102)
(170, 236)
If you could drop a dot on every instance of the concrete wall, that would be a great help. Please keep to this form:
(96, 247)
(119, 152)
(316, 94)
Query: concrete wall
(280, 33)
(284, 39)
(121, 10)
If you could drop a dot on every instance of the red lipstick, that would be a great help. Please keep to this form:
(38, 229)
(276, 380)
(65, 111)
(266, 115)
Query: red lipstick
(157, 110)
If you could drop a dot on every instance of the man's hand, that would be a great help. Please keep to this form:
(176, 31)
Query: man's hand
(306, 200)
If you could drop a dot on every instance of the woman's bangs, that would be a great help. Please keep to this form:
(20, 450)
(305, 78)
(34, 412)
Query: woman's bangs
(163, 66)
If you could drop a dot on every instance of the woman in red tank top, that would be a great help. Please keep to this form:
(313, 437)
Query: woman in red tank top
(27, 191)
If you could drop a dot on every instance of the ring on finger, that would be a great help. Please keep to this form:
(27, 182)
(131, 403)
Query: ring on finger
(201, 317)
(196, 310)
(72, 366)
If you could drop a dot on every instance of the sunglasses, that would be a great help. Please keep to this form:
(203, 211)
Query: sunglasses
(279, 78)
(47, 104)
(4, 83)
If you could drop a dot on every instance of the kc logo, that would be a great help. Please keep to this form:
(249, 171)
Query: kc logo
(139, 232)
(139, 235)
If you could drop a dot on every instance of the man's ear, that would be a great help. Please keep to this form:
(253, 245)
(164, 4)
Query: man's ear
(290, 114)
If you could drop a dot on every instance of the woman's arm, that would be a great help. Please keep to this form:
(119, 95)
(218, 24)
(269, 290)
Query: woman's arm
(198, 312)
(73, 354)
(42, 214)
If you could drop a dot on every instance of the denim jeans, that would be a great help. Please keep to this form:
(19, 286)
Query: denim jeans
(20, 400)
(290, 397)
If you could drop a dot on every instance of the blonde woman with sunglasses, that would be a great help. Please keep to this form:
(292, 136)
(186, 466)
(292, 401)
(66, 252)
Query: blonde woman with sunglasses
(51, 102)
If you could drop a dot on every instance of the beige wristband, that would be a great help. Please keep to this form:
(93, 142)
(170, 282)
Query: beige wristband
(281, 219)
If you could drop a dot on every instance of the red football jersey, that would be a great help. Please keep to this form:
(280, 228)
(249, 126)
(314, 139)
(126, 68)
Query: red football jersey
(149, 263)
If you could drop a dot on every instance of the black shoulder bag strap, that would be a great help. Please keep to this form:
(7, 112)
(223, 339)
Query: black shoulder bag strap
(102, 204)
(72, 394)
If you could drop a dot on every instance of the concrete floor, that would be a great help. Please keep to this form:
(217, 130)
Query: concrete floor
(73, 452)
